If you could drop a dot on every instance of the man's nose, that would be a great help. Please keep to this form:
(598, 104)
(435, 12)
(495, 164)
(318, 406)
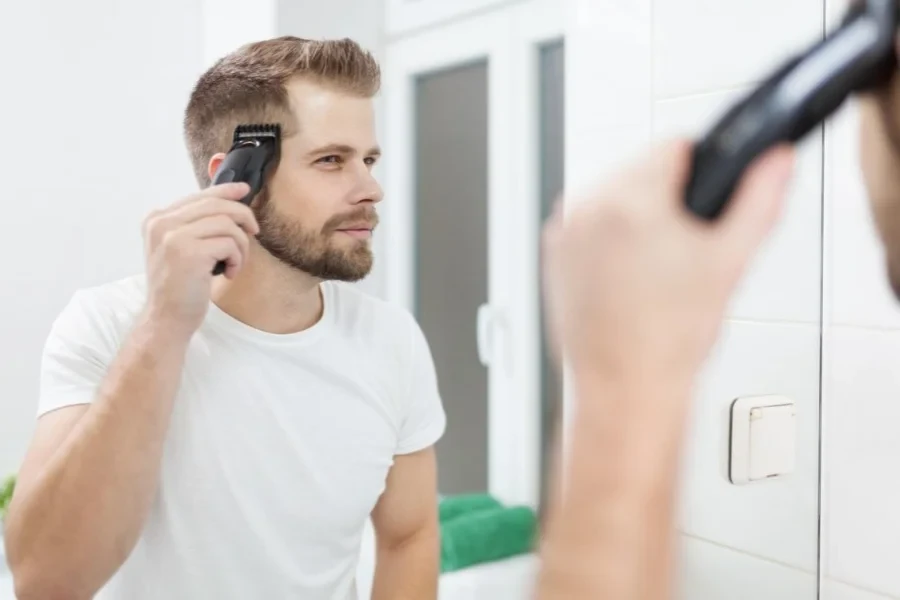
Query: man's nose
(369, 189)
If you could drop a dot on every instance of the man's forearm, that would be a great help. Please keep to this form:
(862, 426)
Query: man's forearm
(408, 571)
(79, 518)
(611, 533)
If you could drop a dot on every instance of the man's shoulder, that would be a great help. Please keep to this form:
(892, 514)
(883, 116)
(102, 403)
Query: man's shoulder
(111, 306)
(124, 295)
(356, 307)
(125, 290)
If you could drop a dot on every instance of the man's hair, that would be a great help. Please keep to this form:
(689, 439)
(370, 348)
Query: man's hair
(248, 86)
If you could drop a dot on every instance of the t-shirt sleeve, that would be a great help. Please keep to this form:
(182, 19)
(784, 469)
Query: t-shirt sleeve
(75, 358)
(425, 420)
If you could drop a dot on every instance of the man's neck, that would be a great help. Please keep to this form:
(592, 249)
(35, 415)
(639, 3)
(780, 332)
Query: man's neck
(270, 296)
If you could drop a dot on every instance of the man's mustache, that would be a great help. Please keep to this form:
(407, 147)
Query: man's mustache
(363, 217)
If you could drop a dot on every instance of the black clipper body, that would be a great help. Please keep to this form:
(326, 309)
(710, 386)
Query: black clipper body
(253, 156)
(801, 94)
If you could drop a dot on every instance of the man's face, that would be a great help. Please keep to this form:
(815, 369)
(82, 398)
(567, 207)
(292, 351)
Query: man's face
(880, 154)
(318, 211)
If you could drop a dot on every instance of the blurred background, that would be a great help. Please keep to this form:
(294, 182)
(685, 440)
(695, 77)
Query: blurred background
(489, 109)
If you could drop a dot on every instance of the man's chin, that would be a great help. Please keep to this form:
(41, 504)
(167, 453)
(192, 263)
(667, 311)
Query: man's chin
(355, 265)
(348, 275)
(349, 264)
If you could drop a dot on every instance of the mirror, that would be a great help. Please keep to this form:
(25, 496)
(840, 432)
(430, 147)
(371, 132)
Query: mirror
(488, 110)
(749, 504)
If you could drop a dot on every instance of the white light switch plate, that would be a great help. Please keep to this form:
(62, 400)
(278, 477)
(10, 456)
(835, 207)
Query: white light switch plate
(763, 438)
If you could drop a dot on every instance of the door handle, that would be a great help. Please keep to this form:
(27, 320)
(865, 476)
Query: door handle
(492, 332)
(485, 334)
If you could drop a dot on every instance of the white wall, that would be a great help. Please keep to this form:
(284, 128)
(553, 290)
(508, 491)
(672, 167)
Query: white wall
(639, 71)
(861, 384)
(93, 99)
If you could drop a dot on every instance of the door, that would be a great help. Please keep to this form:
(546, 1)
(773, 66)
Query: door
(464, 202)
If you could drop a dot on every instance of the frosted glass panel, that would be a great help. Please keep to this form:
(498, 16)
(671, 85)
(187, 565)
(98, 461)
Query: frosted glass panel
(551, 148)
(451, 273)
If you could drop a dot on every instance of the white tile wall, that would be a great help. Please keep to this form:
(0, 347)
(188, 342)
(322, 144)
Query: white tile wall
(609, 42)
(833, 590)
(639, 71)
(711, 572)
(778, 518)
(861, 485)
(703, 45)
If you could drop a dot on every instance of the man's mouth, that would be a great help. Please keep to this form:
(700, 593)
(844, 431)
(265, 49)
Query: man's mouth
(362, 231)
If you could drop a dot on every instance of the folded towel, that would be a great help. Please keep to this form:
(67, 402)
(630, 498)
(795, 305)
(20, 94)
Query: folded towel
(6, 492)
(486, 535)
(451, 507)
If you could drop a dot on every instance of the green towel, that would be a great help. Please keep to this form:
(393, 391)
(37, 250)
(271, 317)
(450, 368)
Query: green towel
(451, 507)
(6, 492)
(486, 535)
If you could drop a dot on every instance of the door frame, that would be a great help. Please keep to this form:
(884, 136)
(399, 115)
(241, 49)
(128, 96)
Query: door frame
(536, 23)
(405, 16)
(509, 39)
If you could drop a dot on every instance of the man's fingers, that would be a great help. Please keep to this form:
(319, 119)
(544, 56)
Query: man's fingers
(226, 191)
(757, 203)
(159, 225)
(226, 249)
(213, 200)
(215, 227)
(668, 166)
(211, 206)
(183, 246)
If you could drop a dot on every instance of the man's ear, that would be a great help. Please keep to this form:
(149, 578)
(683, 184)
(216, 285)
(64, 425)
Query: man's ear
(214, 163)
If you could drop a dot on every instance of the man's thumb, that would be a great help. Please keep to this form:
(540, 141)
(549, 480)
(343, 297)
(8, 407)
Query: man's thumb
(758, 200)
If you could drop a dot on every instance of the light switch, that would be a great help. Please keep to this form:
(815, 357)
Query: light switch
(763, 438)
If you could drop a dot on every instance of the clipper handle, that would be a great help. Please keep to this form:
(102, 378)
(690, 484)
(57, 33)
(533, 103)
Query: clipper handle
(795, 99)
(747, 130)
(248, 161)
(228, 173)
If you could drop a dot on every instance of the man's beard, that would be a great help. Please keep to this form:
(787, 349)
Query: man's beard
(313, 252)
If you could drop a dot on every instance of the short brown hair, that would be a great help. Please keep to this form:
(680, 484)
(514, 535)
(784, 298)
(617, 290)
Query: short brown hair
(248, 86)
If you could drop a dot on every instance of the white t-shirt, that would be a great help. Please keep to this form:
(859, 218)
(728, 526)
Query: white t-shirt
(278, 448)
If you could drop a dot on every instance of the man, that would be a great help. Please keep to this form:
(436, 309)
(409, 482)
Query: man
(228, 437)
(638, 289)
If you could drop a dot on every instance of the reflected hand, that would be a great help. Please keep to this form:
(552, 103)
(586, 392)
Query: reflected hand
(636, 285)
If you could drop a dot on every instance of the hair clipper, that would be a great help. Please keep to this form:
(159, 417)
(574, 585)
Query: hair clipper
(860, 54)
(253, 156)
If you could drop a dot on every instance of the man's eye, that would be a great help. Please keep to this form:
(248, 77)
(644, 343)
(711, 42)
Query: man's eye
(333, 159)
(371, 160)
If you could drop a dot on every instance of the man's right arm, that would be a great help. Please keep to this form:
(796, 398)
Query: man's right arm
(636, 291)
(91, 472)
(610, 530)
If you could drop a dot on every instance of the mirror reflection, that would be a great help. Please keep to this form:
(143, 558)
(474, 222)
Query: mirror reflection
(275, 325)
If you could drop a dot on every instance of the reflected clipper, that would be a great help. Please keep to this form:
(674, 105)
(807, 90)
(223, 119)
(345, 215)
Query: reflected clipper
(253, 156)
(860, 54)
